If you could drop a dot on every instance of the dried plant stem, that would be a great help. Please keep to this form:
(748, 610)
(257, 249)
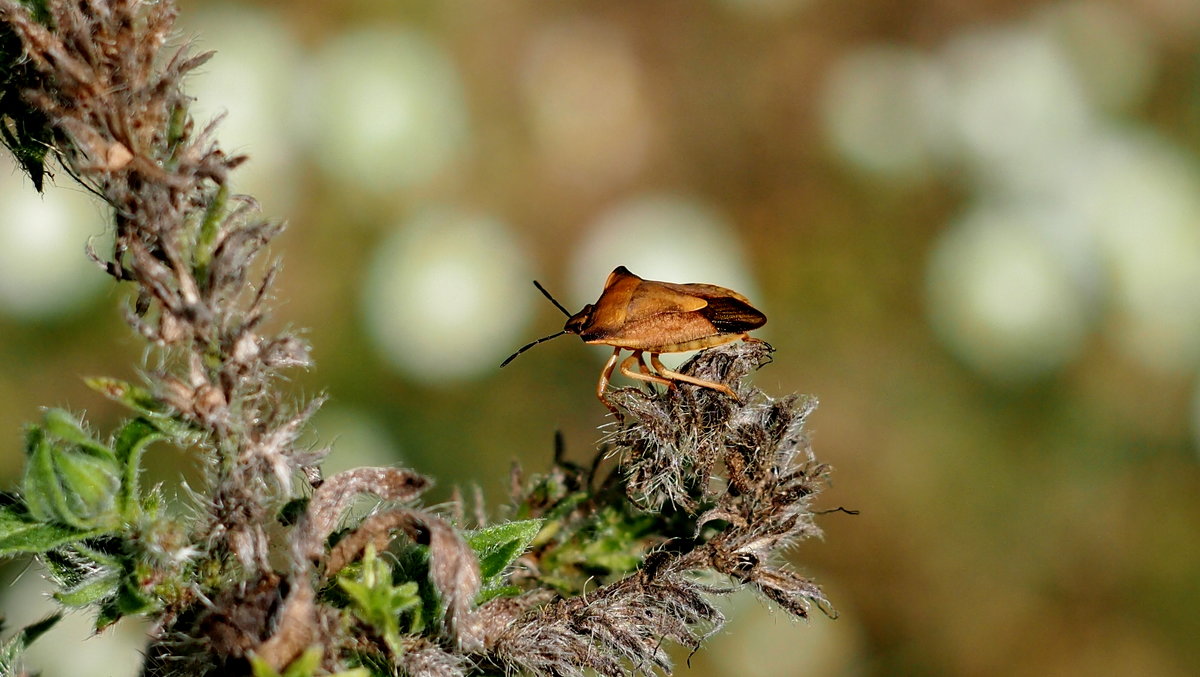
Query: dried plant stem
(593, 574)
(115, 99)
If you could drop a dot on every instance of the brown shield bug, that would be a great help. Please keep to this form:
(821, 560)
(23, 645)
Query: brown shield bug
(646, 316)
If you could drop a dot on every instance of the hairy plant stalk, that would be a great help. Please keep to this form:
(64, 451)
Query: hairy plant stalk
(110, 88)
(115, 101)
(589, 573)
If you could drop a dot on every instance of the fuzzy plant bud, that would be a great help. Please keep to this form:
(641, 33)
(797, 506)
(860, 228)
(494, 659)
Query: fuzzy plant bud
(70, 478)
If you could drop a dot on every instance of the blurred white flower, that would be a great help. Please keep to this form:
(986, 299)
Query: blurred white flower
(44, 271)
(387, 107)
(1141, 195)
(447, 294)
(1017, 107)
(884, 110)
(1004, 298)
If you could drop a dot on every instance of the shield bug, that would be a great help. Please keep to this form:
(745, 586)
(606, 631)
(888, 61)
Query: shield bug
(646, 316)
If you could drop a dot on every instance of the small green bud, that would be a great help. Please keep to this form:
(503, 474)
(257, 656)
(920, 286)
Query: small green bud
(70, 478)
(90, 485)
(40, 486)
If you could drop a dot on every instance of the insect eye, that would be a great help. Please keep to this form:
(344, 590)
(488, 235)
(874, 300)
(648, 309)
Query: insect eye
(577, 321)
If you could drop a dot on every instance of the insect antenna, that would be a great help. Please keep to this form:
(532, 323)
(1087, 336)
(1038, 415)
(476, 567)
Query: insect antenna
(530, 345)
(544, 338)
(552, 299)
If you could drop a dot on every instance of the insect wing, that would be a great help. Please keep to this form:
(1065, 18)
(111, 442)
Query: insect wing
(732, 316)
(728, 311)
(654, 298)
(705, 291)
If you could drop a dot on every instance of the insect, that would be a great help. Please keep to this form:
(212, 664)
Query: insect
(646, 316)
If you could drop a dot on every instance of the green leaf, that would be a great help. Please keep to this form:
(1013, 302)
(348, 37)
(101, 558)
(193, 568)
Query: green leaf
(375, 600)
(304, 665)
(374, 662)
(85, 576)
(210, 227)
(128, 445)
(40, 10)
(13, 647)
(66, 427)
(497, 547)
(24, 130)
(90, 486)
(259, 667)
(499, 557)
(144, 402)
(487, 594)
(131, 440)
(293, 510)
(108, 614)
(28, 141)
(137, 399)
(39, 486)
(90, 591)
(106, 576)
(20, 534)
(129, 601)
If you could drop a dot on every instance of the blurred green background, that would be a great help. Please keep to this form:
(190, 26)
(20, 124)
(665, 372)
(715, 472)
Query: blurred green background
(974, 226)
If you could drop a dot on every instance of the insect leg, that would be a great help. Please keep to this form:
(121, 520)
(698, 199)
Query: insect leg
(642, 364)
(644, 373)
(676, 376)
(642, 367)
(602, 386)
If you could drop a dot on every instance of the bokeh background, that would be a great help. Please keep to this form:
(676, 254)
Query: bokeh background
(973, 224)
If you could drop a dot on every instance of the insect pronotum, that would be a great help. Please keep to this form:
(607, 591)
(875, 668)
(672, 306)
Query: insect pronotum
(646, 316)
